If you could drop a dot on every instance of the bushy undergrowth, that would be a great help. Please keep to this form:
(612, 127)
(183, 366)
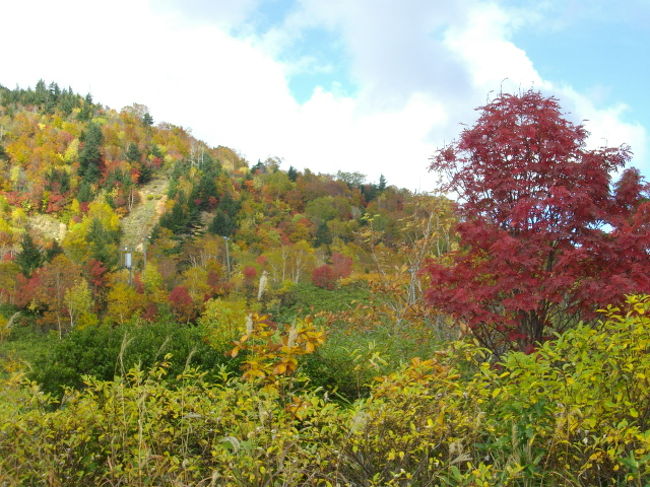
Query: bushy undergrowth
(574, 413)
(360, 345)
(106, 351)
(348, 363)
(309, 299)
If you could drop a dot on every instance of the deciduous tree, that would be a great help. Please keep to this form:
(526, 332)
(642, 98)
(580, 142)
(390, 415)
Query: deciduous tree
(544, 237)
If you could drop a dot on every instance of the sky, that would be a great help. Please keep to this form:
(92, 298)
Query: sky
(369, 86)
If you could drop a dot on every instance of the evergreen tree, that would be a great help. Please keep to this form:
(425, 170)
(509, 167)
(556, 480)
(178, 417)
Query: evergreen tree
(382, 183)
(203, 190)
(222, 224)
(369, 192)
(180, 217)
(84, 192)
(146, 173)
(133, 153)
(102, 244)
(54, 250)
(147, 119)
(229, 206)
(259, 167)
(292, 173)
(57, 180)
(30, 257)
(41, 95)
(90, 157)
(323, 235)
(86, 109)
(68, 101)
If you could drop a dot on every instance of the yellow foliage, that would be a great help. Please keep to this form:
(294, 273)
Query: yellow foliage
(123, 303)
(224, 320)
(71, 152)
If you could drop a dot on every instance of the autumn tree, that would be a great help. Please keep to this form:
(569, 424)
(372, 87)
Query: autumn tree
(123, 302)
(182, 304)
(79, 303)
(545, 237)
(53, 282)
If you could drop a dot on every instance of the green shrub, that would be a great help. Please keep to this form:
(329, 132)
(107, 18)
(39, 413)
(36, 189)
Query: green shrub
(348, 362)
(137, 431)
(579, 407)
(104, 352)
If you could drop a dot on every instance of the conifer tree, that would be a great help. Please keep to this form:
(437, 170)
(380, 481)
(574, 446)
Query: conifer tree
(30, 257)
(382, 183)
(222, 224)
(102, 244)
(147, 119)
(133, 153)
(323, 235)
(90, 157)
(84, 192)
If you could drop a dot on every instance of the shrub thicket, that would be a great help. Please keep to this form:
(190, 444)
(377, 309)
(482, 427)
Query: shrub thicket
(574, 413)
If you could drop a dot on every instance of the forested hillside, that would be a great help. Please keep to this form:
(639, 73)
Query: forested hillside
(172, 314)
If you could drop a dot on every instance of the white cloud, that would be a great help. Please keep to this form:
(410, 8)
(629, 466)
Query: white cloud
(419, 70)
(491, 59)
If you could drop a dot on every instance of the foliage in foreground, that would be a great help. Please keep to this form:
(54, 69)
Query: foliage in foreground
(576, 412)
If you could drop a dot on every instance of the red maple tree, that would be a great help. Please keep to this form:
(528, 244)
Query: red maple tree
(545, 237)
(182, 304)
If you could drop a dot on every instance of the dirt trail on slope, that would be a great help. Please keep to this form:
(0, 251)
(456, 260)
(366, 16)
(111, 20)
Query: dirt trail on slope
(139, 223)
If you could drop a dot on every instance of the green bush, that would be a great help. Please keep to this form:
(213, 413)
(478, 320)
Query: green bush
(578, 409)
(136, 431)
(349, 362)
(104, 352)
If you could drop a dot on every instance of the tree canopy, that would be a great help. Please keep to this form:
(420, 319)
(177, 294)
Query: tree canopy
(545, 237)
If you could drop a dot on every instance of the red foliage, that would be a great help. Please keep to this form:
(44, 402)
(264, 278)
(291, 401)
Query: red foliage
(150, 312)
(138, 285)
(15, 198)
(543, 239)
(56, 203)
(181, 303)
(341, 265)
(324, 277)
(249, 273)
(214, 280)
(26, 289)
(95, 273)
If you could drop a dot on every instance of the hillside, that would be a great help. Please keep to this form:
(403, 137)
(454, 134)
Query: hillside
(139, 223)
(172, 314)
